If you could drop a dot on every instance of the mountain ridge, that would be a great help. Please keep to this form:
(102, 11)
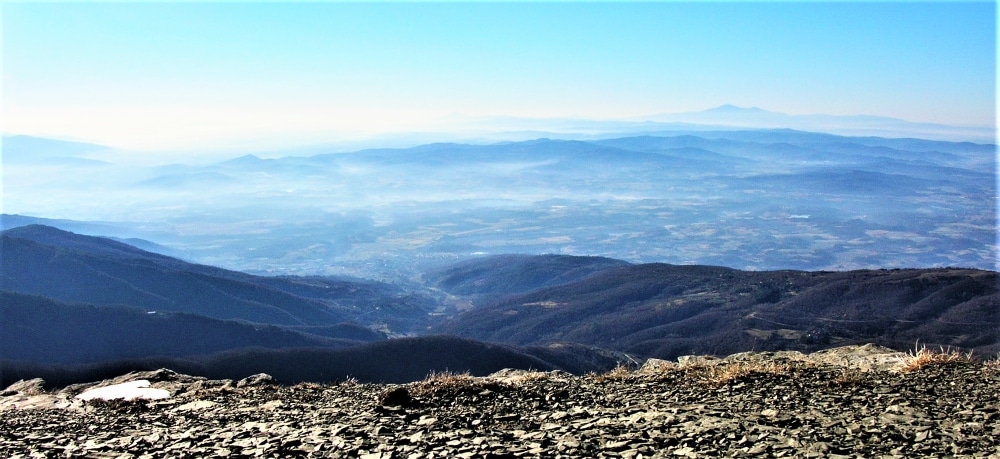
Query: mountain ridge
(68, 267)
(663, 311)
(580, 313)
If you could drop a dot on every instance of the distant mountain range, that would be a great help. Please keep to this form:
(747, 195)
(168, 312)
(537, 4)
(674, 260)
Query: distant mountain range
(68, 300)
(25, 149)
(756, 199)
(851, 125)
(28, 150)
(724, 117)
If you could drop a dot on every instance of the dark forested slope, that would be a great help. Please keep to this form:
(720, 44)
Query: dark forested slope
(45, 331)
(665, 311)
(487, 278)
(389, 361)
(40, 260)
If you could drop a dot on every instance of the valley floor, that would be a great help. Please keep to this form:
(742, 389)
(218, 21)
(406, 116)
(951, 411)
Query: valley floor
(772, 407)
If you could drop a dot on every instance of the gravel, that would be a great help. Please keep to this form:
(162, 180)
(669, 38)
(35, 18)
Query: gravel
(751, 405)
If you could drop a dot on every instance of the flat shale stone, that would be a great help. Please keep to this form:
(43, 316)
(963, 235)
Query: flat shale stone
(948, 410)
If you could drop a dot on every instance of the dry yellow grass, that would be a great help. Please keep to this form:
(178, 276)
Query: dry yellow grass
(922, 357)
(848, 376)
(657, 367)
(447, 381)
(447, 378)
(992, 366)
(619, 373)
(717, 375)
(307, 386)
(529, 376)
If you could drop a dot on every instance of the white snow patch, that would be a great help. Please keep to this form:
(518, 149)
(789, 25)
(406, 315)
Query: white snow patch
(128, 391)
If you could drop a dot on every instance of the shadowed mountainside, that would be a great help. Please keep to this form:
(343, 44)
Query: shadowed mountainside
(659, 310)
(489, 278)
(391, 361)
(557, 310)
(40, 260)
(41, 330)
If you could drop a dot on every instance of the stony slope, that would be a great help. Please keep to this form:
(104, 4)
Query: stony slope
(784, 405)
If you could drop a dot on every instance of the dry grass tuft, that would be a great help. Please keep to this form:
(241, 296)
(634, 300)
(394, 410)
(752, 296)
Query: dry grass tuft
(718, 375)
(528, 376)
(349, 381)
(848, 376)
(655, 367)
(992, 367)
(619, 373)
(447, 378)
(448, 382)
(922, 357)
(307, 386)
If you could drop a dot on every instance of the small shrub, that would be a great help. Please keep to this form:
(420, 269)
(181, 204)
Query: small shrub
(448, 382)
(922, 357)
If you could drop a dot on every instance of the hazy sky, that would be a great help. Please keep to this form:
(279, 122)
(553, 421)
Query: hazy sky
(183, 75)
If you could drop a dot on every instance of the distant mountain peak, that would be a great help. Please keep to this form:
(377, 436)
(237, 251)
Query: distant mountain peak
(36, 229)
(247, 158)
(729, 108)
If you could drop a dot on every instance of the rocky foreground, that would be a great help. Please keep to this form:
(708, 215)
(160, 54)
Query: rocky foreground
(848, 402)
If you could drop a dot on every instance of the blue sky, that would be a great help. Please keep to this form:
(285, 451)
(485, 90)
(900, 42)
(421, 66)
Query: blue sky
(188, 75)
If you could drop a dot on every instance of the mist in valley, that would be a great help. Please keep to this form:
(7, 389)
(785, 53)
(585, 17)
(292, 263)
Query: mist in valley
(757, 199)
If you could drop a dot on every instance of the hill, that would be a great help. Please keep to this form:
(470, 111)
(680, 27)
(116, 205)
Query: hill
(68, 267)
(44, 331)
(70, 300)
(389, 361)
(491, 277)
(22, 149)
(660, 310)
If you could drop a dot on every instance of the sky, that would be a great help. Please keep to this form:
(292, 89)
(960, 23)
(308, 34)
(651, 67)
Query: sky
(160, 76)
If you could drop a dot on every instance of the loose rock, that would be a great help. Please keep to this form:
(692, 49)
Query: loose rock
(800, 408)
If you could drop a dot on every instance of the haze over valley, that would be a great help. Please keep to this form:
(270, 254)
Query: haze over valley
(746, 199)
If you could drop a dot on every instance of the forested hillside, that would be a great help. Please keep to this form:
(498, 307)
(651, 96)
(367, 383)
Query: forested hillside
(664, 311)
